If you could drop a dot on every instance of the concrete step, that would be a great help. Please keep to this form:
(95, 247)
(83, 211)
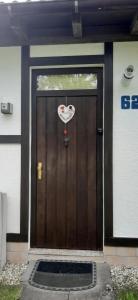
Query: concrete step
(74, 255)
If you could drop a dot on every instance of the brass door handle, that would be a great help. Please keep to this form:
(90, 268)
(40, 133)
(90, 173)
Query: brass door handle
(39, 170)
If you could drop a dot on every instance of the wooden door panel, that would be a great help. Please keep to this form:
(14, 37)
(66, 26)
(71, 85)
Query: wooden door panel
(41, 185)
(61, 184)
(82, 177)
(92, 226)
(66, 196)
(51, 173)
(71, 192)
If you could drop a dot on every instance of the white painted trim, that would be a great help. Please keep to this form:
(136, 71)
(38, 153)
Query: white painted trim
(67, 50)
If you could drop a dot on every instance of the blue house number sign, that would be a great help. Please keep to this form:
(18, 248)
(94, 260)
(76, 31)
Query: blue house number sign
(129, 102)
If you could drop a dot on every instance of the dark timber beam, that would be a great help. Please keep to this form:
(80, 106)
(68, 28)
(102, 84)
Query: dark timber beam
(35, 12)
(92, 31)
(60, 4)
(90, 39)
(60, 7)
(134, 26)
(107, 3)
(8, 40)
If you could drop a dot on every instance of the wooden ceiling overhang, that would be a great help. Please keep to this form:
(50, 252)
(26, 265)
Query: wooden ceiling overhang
(68, 21)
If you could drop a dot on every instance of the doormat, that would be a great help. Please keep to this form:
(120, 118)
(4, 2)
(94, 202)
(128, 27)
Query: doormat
(61, 275)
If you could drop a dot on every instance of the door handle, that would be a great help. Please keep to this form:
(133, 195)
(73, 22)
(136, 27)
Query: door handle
(39, 170)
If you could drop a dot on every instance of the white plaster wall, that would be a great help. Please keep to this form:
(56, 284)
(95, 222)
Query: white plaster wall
(125, 145)
(10, 89)
(67, 50)
(10, 170)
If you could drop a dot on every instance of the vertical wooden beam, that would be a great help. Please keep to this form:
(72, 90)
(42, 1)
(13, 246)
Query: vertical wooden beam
(3, 223)
(100, 160)
(24, 142)
(108, 142)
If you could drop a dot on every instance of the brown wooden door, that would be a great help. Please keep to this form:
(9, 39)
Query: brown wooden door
(66, 202)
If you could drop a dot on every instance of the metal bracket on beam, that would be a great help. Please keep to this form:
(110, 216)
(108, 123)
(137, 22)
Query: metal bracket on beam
(76, 4)
(76, 21)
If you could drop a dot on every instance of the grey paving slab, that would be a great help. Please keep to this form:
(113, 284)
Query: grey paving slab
(31, 293)
(102, 290)
(28, 271)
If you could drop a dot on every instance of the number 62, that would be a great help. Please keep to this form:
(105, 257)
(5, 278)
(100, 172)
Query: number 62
(129, 102)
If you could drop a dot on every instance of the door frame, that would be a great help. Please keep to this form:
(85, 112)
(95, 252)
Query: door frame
(99, 170)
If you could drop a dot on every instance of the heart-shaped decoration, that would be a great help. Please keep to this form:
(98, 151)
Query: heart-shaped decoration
(66, 113)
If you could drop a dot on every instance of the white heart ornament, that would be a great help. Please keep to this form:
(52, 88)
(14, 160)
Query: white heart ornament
(66, 113)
